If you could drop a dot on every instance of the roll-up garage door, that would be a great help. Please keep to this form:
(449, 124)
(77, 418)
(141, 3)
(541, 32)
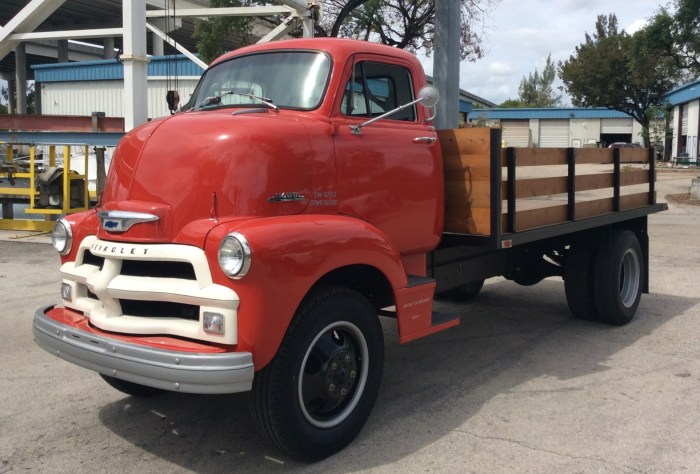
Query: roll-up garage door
(554, 134)
(616, 126)
(516, 133)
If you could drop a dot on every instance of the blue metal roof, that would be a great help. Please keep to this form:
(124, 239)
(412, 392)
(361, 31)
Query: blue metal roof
(545, 113)
(111, 69)
(684, 93)
(465, 107)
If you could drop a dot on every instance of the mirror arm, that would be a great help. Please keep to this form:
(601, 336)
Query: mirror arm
(357, 129)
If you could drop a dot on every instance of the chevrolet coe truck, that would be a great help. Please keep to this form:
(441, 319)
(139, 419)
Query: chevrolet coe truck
(252, 241)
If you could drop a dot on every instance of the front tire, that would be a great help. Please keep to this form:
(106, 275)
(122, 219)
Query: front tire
(619, 275)
(313, 398)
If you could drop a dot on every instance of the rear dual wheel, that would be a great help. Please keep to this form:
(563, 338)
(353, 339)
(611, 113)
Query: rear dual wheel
(606, 283)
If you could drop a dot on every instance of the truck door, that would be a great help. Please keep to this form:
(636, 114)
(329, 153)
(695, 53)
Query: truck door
(390, 174)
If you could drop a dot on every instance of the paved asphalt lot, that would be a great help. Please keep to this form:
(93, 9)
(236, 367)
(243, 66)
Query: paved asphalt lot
(519, 386)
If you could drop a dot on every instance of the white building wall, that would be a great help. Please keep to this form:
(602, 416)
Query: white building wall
(584, 132)
(85, 97)
(637, 135)
(693, 127)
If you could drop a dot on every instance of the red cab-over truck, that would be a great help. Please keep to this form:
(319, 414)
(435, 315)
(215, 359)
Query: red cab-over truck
(251, 241)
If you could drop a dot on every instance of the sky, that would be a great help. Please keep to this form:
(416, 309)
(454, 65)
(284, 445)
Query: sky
(521, 33)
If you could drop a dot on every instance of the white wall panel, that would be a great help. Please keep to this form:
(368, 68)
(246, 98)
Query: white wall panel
(83, 98)
(516, 133)
(554, 134)
(587, 131)
(616, 125)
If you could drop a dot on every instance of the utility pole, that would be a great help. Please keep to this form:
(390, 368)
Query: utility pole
(446, 62)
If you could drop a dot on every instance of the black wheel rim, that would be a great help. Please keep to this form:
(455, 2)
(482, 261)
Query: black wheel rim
(333, 374)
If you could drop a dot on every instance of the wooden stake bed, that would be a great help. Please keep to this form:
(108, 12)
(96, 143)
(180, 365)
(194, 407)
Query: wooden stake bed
(499, 195)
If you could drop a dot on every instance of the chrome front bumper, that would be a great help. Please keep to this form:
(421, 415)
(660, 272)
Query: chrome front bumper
(187, 372)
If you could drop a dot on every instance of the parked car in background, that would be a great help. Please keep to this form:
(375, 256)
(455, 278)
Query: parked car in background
(624, 145)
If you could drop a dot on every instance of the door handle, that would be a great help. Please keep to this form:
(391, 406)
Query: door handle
(424, 140)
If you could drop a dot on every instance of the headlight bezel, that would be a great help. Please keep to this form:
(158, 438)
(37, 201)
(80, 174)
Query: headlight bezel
(66, 239)
(234, 255)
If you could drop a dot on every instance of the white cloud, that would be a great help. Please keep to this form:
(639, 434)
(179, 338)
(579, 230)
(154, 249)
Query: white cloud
(521, 34)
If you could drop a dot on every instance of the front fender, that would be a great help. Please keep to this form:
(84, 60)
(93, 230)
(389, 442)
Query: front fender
(289, 255)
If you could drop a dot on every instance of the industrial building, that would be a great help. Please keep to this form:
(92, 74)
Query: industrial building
(686, 120)
(560, 127)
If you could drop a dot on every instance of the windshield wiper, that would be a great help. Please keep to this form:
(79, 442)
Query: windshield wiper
(216, 99)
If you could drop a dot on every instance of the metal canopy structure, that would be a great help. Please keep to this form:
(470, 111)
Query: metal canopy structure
(38, 31)
(122, 25)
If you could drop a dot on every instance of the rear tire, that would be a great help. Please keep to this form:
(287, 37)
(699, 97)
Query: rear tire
(578, 282)
(619, 275)
(314, 397)
(131, 388)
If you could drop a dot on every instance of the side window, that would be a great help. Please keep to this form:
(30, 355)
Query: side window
(376, 88)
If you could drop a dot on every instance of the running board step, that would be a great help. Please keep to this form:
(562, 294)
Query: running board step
(414, 311)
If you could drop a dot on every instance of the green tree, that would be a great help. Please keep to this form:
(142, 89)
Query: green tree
(677, 34)
(619, 71)
(406, 24)
(536, 90)
(212, 33)
(31, 99)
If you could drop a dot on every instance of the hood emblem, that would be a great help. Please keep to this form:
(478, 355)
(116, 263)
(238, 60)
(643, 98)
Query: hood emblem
(121, 221)
(286, 197)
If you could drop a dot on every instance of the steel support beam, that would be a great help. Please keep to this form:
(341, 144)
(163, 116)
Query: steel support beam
(72, 123)
(21, 78)
(29, 18)
(177, 46)
(135, 63)
(446, 62)
(67, 34)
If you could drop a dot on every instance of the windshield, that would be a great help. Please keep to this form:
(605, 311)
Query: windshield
(291, 79)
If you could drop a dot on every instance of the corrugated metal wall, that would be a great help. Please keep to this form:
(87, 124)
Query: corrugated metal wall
(516, 133)
(554, 134)
(587, 131)
(617, 125)
(83, 98)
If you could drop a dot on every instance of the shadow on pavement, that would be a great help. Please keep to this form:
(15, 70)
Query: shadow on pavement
(508, 336)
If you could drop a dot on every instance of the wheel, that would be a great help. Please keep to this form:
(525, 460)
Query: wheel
(318, 391)
(578, 282)
(131, 388)
(464, 292)
(619, 275)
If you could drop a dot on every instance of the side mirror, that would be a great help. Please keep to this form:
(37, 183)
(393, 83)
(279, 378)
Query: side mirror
(428, 96)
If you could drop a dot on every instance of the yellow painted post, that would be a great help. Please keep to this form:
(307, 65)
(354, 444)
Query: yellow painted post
(32, 185)
(66, 179)
(52, 155)
(86, 181)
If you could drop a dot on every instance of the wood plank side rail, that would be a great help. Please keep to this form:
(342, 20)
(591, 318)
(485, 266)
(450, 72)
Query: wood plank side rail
(478, 202)
(516, 189)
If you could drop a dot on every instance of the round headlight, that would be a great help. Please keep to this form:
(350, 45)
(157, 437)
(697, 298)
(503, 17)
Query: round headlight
(62, 237)
(234, 255)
